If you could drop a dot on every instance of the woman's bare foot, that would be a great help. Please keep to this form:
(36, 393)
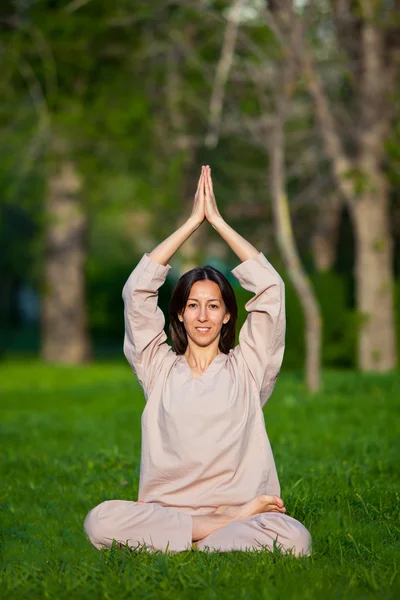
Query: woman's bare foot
(205, 524)
(258, 505)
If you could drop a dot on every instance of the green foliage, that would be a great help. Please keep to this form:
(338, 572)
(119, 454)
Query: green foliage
(116, 85)
(339, 320)
(71, 439)
(397, 315)
(110, 263)
(295, 338)
(340, 324)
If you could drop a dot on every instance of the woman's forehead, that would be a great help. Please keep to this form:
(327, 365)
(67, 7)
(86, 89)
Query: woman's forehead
(205, 289)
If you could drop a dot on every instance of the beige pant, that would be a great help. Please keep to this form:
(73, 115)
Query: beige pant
(165, 529)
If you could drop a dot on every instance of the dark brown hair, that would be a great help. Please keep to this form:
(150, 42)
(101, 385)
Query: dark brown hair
(179, 299)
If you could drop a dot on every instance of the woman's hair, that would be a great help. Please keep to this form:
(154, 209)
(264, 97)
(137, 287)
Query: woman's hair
(179, 299)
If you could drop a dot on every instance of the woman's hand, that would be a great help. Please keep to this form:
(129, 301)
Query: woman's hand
(198, 212)
(211, 210)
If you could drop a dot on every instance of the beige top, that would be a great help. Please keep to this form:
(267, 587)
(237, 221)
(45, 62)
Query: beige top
(204, 442)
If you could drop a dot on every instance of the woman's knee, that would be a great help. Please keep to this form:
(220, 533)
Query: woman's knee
(298, 539)
(290, 534)
(97, 523)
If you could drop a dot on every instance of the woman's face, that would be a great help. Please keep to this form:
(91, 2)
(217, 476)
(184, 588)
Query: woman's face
(204, 313)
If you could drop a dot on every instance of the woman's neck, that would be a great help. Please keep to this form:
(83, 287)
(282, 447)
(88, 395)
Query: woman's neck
(200, 358)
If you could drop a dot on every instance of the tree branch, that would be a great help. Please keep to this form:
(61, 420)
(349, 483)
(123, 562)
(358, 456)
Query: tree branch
(222, 74)
(291, 27)
(284, 230)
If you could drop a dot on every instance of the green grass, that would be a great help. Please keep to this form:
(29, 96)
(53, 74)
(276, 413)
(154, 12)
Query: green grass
(70, 438)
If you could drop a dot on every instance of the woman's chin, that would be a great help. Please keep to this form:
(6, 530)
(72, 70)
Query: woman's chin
(204, 339)
(203, 343)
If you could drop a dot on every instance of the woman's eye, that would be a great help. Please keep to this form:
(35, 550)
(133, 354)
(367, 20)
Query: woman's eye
(214, 305)
(192, 305)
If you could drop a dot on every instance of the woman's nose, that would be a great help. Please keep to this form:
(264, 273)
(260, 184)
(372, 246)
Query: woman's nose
(203, 315)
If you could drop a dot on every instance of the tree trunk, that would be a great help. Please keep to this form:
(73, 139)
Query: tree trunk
(325, 237)
(63, 309)
(287, 246)
(374, 277)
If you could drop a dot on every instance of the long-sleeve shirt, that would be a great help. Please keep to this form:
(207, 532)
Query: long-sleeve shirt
(204, 442)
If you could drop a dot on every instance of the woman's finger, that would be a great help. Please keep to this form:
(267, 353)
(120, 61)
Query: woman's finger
(202, 183)
(210, 180)
(209, 190)
(206, 179)
(200, 180)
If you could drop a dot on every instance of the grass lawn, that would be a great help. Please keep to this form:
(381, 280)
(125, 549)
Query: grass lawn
(70, 438)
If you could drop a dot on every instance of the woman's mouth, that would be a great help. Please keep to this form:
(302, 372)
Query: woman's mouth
(203, 329)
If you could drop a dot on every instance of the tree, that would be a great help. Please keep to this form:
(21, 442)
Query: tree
(369, 33)
(286, 240)
(69, 61)
(273, 144)
(63, 317)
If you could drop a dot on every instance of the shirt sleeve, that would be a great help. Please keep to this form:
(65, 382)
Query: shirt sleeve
(262, 337)
(145, 344)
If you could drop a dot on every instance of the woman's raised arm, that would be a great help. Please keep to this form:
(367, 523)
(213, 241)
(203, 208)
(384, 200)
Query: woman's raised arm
(164, 251)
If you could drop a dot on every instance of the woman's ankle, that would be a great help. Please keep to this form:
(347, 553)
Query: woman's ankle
(203, 525)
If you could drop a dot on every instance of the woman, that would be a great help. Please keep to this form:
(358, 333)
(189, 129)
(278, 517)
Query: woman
(207, 472)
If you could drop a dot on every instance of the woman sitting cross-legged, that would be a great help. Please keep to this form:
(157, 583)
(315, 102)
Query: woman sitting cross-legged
(207, 471)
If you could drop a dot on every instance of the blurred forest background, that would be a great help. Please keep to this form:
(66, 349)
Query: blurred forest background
(108, 110)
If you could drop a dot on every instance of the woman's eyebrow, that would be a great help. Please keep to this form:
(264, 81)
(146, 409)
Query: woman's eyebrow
(209, 300)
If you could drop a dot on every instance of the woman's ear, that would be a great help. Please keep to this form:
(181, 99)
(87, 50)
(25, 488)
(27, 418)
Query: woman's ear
(226, 318)
(180, 317)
